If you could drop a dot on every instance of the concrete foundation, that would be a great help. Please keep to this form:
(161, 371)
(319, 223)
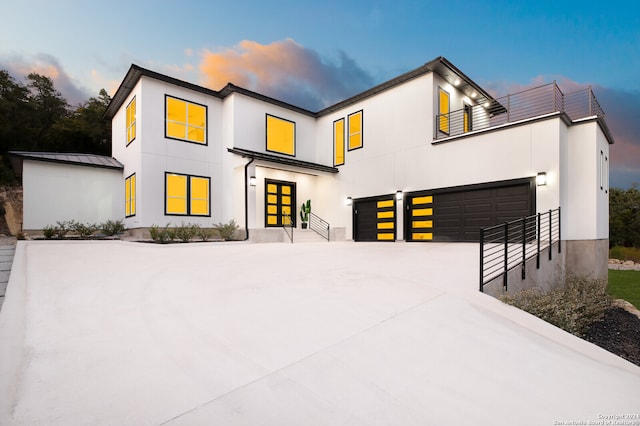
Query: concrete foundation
(587, 257)
(549, 276)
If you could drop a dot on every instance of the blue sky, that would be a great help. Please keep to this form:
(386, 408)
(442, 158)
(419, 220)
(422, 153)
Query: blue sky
(313, 54)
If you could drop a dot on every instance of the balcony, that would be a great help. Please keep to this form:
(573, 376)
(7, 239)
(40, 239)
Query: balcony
(525, 105)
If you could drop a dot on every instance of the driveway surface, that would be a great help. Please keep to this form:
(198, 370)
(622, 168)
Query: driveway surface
(123, 333)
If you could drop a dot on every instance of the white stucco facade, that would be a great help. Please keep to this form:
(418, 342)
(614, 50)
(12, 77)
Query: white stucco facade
(60, 192)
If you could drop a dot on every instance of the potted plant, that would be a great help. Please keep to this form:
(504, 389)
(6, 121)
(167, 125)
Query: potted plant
(305, 209)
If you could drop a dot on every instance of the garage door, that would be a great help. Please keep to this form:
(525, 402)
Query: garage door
(374, 219)
(458, 214)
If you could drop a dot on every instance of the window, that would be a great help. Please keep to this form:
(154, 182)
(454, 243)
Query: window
(186, 121)
(130, 196)
(186, 195)
(281, 135)
(338, 142)
(355, 130)
(443, 108)
(604, 172)
(467, 118)
(131, 121)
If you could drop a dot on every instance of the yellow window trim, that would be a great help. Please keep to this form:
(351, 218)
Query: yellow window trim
(422, 236)
(386, 203)
(185, 120)
(354, 121)
(443, 109)
(385, 215)
(338, 142)
(187, 195)
(422, 200)
(130, 113)
(385, 236)
(280, 135)
(130, 196)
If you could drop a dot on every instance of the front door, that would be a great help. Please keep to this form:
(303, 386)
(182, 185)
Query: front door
(280, 201)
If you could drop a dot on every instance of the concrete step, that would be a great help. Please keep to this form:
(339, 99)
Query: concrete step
(306, 236)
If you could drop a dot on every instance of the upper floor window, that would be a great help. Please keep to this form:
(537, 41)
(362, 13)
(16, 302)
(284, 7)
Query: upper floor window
(281, 135)
(467, 118)
(185, 120)
(355, 130)
(443, 108)
(338, 142)
(131, 121)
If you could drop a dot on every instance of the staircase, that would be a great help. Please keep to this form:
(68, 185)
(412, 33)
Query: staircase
(307, 236)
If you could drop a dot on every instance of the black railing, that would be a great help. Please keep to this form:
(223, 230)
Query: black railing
(524, 105)
(319, 226)
(509, 245)
(287, 223)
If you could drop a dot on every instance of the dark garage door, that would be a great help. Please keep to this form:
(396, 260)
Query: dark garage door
(458, 214)
(374, 219)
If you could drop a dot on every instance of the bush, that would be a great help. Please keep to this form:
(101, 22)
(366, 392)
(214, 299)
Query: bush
(112, 227)
(49, 231)
(185, 233)
(227, 230)
(625, 253)
(161, 235)
(62, 229)
(205, 234)
(84, 230)
(582, 301)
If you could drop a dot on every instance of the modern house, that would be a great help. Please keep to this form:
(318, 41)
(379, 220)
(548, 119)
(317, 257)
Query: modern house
(427, 156)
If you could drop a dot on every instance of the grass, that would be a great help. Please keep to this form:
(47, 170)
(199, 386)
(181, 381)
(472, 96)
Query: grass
(625, 285)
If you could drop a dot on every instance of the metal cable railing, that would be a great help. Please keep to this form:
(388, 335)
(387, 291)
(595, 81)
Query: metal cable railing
(509, 245)
(531, 103)
(319, 226)
(287, 223)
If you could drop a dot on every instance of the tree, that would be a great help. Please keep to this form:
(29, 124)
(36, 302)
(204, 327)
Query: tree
(48, 107)
(624, 217)
(84, 129)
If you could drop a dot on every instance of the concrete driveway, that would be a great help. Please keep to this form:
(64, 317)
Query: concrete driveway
(122, 333)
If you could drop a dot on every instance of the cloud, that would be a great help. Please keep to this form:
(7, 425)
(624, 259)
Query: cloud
(19, 67)
(287, 71)
(622, 109)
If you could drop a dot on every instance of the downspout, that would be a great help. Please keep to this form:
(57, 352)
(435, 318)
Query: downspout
(246, 200)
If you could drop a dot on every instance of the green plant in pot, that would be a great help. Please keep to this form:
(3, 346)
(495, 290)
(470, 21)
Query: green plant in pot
(305, 210)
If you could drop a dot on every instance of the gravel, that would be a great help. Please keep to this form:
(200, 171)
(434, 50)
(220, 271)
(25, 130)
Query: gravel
(618, 332)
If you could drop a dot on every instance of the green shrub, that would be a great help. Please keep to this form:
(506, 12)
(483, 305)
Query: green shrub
(84, 230)
(49, 231)
(61, 229)
(625, 253)
(185, 233)
(112, 227)
(227, 230)
(573, 308)
(162, 235)
(205, 234)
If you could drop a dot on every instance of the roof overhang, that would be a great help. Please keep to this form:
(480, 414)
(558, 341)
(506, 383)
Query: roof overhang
(86, 160)
(270, 158)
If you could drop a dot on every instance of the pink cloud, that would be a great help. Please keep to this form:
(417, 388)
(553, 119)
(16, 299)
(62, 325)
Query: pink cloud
(19, 67)
(285, 70)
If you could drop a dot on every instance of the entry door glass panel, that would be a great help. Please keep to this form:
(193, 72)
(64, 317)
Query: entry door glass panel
(280, 201)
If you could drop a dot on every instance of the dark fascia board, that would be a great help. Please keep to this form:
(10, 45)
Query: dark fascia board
(135, 73)
(232, 88)
(439, 65)
(17, 158)
(281, 160)
(131, 79)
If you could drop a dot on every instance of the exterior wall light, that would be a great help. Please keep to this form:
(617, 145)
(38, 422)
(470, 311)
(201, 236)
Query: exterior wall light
(348, 201)
(541, 179)
(252, 181)
(399, 195)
